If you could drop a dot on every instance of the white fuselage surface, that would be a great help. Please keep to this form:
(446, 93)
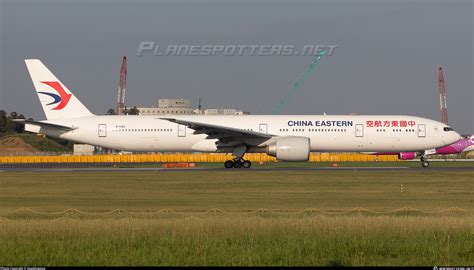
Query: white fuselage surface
(327, 133)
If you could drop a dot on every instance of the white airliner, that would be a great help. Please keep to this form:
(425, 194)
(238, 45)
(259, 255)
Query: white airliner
(286, 137)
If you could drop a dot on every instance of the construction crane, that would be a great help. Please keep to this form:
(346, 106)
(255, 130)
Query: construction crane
(122, 84)
(299, 82)
(442, 97)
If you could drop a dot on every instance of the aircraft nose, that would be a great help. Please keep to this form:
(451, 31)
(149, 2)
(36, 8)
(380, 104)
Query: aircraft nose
(455, 136)
(451, 137)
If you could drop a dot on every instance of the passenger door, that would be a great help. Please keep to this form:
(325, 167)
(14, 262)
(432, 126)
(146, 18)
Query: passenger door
(263, 128)
(359, 130)
(181, 131)
(102, 130)
(421, 130)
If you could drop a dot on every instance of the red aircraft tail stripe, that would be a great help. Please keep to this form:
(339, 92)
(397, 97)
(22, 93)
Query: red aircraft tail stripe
(65, 97)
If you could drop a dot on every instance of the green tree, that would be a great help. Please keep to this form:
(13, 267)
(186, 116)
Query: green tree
(3, 122)
(132, 111)
(111, 112)
(17, 127)
(7, 126)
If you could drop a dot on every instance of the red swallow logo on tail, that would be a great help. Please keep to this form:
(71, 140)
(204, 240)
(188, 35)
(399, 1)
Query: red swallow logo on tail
(63, 97)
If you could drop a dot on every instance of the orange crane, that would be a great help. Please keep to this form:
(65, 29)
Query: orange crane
(122, 84)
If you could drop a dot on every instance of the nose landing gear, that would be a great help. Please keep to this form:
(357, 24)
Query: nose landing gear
(424, 162)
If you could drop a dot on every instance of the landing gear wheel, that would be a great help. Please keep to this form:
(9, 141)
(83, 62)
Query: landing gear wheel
(247, 164)
(238, 164)
(425, 164)
(229, 164)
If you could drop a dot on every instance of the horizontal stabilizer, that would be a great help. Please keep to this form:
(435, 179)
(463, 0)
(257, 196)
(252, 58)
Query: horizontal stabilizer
(44, 124)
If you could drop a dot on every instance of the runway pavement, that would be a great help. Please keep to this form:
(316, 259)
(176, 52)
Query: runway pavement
(158, 169)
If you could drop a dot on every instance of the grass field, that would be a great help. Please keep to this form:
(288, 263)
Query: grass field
(193, 237)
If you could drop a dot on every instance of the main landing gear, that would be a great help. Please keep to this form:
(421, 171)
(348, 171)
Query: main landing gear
(424, 162)
(237, 163)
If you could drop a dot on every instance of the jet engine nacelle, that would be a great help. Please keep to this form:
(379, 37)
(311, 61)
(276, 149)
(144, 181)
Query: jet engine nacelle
(406, 155)
(290, 148)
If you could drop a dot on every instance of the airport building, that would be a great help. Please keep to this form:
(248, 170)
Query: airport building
(84, 149)
(169, 106)
(175, 103)
(222, 111)
(185, 106)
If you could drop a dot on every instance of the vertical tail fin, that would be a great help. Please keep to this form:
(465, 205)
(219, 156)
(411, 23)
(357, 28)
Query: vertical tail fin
(56, 99)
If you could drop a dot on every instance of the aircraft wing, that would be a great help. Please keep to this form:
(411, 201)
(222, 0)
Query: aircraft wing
(44, 124)
(222, 133)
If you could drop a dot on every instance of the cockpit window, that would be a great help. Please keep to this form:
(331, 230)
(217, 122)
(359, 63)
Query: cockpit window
(448, 129)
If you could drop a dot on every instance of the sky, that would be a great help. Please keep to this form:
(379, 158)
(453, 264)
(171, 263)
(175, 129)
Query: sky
(386, 61)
